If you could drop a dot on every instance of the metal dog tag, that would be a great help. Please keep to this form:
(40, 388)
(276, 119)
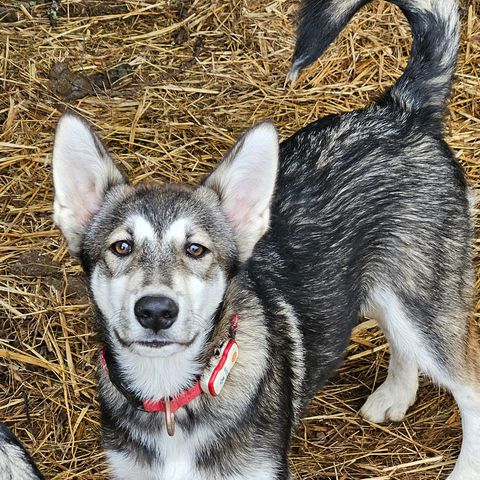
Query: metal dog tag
(169, 419)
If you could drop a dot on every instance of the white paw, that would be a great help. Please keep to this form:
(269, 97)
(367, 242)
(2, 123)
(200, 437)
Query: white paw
(388, 403)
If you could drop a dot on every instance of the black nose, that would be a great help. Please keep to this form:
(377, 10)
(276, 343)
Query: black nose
(156, 313)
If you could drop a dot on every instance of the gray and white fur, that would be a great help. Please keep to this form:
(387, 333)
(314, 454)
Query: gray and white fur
(365, 212)
(15, 462)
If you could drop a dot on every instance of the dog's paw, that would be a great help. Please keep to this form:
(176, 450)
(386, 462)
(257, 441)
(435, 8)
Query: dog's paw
(388, 403)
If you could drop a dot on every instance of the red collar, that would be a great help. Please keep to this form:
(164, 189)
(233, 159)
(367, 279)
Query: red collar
(167, 406)
(176, 403)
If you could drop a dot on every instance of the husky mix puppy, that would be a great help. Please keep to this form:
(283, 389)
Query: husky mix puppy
(274, 258)
(15, 462)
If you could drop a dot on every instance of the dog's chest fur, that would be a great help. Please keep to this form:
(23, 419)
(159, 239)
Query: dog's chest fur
(178, 460)
(175, 459)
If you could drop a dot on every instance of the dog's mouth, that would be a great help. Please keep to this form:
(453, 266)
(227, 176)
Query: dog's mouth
(155, 346)
(155, 343)
(164, 343)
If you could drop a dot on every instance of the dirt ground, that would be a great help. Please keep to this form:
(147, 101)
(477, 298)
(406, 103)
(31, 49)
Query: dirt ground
(170, 85)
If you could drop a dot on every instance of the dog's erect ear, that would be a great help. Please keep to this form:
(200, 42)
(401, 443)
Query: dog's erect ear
(245, 181)
(82, 174)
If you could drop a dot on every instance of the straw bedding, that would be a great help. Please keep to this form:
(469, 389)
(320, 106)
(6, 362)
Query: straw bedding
(170, 85)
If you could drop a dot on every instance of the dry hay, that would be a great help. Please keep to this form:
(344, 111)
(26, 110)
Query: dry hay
(199, 73)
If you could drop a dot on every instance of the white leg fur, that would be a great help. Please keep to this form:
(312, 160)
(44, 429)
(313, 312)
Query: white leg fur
(400, 387)
(392, 399)
(468, 463)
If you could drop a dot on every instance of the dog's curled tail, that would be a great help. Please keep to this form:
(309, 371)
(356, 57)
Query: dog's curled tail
(15, 462)
(425, 84)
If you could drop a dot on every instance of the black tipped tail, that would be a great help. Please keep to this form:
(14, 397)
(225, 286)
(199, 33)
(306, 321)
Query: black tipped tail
(15, 462)
(425, 84)
(320, 22)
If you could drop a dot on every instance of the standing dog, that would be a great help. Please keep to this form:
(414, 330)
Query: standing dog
(278, 253)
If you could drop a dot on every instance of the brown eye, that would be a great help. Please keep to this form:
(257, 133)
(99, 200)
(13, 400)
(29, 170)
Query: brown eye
(196, 250)
(122, 248)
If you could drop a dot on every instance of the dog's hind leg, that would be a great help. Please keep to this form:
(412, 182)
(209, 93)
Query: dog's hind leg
(446, 348)
(465, 388)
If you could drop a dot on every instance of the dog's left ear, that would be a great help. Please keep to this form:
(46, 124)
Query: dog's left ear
(245, 181)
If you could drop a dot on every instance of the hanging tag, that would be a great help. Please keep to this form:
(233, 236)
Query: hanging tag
(169, 419)
(217, 371)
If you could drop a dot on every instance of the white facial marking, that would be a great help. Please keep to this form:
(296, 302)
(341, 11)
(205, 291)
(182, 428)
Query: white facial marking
(142, 229)
(107, 293)
(176, 364)
(176, 232)
(198, 297)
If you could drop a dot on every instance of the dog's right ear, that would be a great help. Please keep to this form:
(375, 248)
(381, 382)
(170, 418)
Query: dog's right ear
(82, 174)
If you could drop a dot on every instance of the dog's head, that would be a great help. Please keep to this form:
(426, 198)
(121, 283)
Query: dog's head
(159, 257)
